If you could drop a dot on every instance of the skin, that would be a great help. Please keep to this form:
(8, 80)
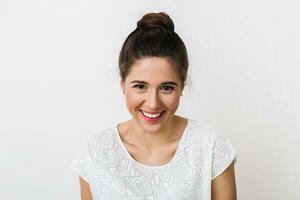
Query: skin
(153, 86)
(223, 187)
(85, 191)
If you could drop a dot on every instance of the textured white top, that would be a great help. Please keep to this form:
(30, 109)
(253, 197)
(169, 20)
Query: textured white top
(203, 153)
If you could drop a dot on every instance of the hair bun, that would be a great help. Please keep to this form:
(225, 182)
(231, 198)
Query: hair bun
(156, 20)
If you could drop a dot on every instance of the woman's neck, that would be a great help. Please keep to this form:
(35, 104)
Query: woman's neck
(136, 135)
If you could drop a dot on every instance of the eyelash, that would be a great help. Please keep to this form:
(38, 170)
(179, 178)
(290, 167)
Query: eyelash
(138, 86)
(169, 88)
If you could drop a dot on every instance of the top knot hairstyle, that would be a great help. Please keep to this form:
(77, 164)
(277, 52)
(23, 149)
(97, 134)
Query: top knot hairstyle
(154, 20)
(154, 36)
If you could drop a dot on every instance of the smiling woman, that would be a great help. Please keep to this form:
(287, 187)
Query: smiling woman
(156, 154)
(152, 90)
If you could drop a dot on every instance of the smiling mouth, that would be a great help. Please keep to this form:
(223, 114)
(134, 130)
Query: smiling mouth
(153, 116)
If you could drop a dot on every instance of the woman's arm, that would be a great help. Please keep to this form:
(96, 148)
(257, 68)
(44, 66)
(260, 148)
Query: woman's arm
(85, 190)
(223, 187)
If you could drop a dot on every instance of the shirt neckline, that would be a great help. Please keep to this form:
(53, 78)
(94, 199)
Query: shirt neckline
(179, 146)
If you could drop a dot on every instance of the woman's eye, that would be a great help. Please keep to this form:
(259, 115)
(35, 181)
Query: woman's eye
(167, 88)
(141, 87)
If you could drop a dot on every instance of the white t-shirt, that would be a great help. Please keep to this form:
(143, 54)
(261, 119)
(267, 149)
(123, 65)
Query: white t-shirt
(203, 153)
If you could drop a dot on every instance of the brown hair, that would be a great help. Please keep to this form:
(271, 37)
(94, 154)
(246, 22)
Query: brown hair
(154, 37)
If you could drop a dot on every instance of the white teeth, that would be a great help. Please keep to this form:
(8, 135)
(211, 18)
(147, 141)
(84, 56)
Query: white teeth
(151, 115)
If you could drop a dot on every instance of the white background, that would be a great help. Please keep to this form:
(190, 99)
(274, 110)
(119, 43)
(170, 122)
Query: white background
(59, 83)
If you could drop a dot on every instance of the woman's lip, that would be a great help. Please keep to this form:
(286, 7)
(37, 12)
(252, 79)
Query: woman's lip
(151, 112)
(152, 119)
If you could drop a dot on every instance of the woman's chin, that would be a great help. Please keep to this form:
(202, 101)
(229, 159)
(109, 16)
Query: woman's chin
(152, 125)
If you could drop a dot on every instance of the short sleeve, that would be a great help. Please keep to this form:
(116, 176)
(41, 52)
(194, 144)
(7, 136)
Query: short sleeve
(83, 160)
(223, 155)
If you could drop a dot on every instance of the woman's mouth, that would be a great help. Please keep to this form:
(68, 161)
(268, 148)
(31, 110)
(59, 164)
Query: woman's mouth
(152, 117)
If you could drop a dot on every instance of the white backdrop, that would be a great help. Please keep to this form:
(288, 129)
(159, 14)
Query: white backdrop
(59, 83)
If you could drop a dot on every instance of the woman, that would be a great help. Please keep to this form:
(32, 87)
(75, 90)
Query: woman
(156, 154)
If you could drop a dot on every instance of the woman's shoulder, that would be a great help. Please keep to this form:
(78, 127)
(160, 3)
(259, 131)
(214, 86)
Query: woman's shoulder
(204, 131)
(101, 137)
(213, 139)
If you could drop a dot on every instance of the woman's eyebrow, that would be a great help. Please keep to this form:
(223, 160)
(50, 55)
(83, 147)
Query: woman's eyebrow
(163, 83)
(137, 81)
(169, 83)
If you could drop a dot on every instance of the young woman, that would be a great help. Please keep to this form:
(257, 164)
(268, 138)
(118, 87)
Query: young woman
(156, 154)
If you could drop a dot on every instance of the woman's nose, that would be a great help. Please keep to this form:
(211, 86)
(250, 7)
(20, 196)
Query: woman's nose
(153, 101)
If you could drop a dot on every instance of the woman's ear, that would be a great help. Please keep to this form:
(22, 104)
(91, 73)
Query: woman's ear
(122, 83)
(181, 91)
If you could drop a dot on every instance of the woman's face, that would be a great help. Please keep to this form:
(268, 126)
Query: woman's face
(152, 90)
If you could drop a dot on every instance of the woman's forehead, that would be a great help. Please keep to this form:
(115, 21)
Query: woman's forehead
(153, 68)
